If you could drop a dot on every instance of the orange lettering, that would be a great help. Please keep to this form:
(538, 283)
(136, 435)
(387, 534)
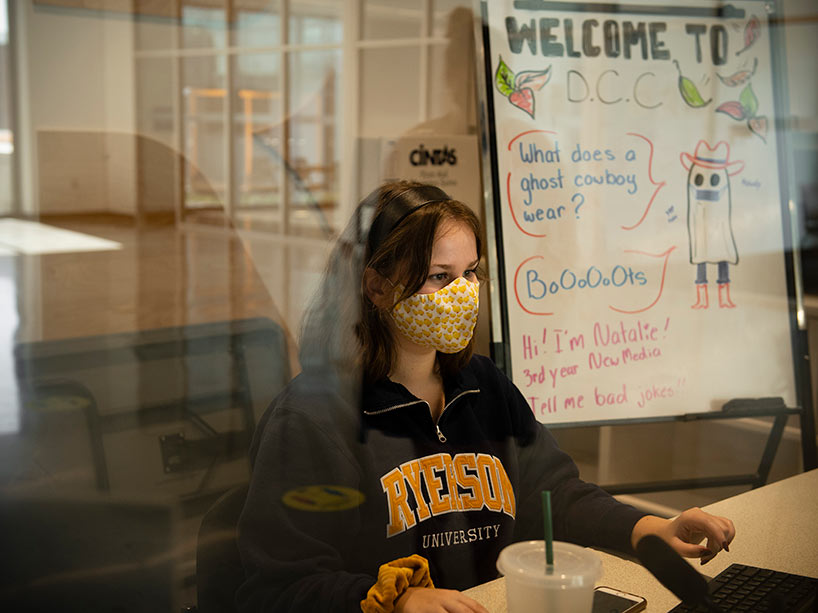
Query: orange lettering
(488, 482)
(451, 482)
(411, 472)
(434, 484)
(401, 516)
(471, 498)
(509, 502)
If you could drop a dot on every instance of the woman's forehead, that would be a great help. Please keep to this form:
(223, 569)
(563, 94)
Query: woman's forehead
(454, 239)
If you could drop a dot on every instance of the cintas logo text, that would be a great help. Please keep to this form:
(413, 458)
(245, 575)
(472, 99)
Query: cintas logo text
(437, 157)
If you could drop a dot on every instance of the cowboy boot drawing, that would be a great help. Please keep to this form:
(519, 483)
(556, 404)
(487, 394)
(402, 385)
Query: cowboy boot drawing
(701, 297)
(724, 297)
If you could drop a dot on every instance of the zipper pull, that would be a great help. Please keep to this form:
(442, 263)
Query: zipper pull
(440, 436)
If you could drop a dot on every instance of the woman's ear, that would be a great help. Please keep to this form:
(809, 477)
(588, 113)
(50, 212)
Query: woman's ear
(377, 289)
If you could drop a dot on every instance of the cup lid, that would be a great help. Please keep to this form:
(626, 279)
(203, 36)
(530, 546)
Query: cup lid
(574, 566)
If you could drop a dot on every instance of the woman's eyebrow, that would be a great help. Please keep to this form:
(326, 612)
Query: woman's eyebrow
(449, 267)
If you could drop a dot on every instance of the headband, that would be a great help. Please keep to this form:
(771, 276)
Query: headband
(399, 208)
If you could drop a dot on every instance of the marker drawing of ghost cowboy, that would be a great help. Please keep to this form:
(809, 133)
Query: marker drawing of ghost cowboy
(708, 217)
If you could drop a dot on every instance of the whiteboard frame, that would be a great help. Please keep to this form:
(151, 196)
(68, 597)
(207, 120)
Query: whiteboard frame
(500, 345)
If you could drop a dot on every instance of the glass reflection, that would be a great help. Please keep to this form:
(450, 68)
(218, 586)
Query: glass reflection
(203, 100)
(156, 24)
(257, 130)
(256, 24)
(200, 156)
(203, 23)
(7, 178)
(386, 19)
(313, 147)
(315, 22)
(384, 72)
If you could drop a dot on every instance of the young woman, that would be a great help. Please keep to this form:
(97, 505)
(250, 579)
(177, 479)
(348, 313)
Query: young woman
(395, 440)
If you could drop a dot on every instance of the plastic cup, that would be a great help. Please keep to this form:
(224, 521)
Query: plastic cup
(530, 587)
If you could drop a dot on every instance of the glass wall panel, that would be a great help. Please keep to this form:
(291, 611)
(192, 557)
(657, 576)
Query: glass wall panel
(203, 24)
(256, 23)
(203, 128)
(173, 174)
(257, 132)
(314, 118)
(387, 19)
(315, 22)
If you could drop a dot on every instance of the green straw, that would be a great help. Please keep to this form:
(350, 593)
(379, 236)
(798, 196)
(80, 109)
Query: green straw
(549, 531)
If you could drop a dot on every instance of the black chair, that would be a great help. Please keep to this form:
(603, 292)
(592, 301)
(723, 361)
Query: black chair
(219, 572)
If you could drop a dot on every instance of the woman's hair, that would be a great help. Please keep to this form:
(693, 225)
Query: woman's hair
(344, 328)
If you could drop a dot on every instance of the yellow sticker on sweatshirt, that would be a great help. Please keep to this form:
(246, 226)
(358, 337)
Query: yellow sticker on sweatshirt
(323, 498)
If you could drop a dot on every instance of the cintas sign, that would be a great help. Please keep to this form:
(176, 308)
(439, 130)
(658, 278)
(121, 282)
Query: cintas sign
(421, 156)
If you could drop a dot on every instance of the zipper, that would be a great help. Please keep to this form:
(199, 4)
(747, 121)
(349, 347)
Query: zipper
(397, 406)
(461, 394)
(440, 436)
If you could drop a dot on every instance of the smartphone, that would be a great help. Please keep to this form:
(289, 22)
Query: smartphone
(609, 600)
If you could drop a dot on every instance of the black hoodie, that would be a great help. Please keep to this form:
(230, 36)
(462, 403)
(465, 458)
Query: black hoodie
(339, 488)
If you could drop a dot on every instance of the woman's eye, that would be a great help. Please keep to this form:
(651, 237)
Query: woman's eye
(469, 274)
(441, 276)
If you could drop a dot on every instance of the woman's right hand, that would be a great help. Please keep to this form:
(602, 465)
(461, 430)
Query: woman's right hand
(432, 600)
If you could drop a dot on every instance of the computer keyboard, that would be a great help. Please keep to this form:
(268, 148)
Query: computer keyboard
(751, 589)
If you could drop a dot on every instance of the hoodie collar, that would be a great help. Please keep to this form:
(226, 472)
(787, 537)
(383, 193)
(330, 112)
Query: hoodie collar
(385, 394)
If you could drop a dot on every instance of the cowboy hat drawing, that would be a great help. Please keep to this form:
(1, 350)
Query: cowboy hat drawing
(714, 158)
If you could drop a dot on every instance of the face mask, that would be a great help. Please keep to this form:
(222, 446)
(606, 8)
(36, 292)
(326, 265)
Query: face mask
(443, 320)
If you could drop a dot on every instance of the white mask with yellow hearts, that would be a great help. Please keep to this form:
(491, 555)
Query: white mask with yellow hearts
(443, 320)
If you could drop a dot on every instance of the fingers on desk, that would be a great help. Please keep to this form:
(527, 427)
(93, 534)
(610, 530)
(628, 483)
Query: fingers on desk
(429, 600)
(694, 525)
(719, 537)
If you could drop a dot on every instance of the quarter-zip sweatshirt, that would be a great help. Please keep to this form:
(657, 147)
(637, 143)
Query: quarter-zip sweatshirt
(341, 486)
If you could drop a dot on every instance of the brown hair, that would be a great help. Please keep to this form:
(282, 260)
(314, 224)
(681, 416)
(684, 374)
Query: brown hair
(405, 252)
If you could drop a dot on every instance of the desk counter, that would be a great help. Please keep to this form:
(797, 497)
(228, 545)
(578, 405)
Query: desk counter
(776, 527)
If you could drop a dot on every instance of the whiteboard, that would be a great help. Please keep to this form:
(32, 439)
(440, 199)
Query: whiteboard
(638, 214)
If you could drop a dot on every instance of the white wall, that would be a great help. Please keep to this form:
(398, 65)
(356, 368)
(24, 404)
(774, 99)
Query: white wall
(76, 70)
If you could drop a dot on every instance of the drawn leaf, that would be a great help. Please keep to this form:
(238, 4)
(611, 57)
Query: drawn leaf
(749, 101)
(752, 32)
(535, 79)
(523, 99)
(758, 126)
(504, 78)
(689, 91)
(740, 77)
(733, 109)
